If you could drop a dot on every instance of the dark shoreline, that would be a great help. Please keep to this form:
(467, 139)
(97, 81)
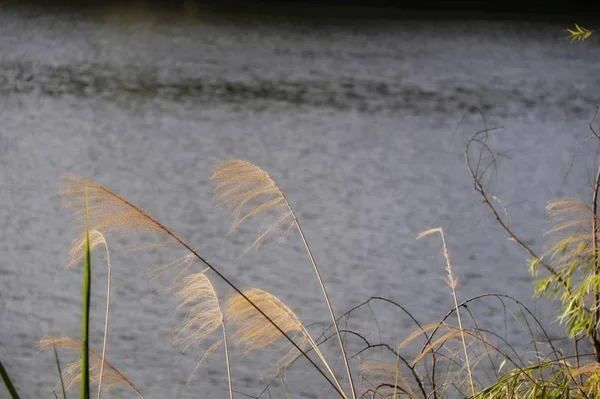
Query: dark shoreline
(565, 12)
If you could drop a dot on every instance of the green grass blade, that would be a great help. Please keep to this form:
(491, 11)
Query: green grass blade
(62, 384)
(85, 378)
(8, 383)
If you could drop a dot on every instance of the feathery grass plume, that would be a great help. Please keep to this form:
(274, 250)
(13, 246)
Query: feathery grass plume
(450, 332)
(452, 281)
(253, 332)
(250, 329)
(77, 251)
(108, 212)
(181, 266)
(241, 183)
(385, 379)
(202, 318)
(72, 374)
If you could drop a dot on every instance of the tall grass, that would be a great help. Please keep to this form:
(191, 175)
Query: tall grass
(450, 358)
(437, 360)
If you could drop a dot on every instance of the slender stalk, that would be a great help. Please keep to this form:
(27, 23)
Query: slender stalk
(452, 281)
(287, 395)
(228, 282)
(397, 373)
(60, 376)
(105, 325)
(317, 350)
(333, 318)
(8, 383)
(227, 361)
(85, 379)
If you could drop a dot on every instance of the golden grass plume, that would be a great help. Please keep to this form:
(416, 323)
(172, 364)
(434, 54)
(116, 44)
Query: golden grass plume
(252, 331)
(250, 191)
(72, 373)
(107, 211)
(77, 251)
(204, 315)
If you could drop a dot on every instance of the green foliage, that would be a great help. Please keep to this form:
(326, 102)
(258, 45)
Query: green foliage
(574, 259)
(541, 381)
(8, 383)
(579, 33)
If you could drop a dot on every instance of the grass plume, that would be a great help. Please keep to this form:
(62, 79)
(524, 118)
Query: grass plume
(240, 184)
(202, 318)
(73, 372)
(252, 332)
(452, 281)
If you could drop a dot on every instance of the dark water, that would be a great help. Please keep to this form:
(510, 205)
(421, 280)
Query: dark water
(362, 124)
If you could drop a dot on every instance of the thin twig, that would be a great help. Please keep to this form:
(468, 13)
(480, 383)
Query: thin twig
(108, 268)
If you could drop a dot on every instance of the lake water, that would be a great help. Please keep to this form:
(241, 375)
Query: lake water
(363, 125)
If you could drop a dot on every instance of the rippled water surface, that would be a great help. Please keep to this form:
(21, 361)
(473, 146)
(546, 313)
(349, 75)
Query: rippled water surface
(362, 124)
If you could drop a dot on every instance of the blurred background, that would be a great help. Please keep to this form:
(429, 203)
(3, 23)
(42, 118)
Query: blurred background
(360, 111)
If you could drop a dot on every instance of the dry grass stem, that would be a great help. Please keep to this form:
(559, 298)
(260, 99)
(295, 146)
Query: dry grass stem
(72, 373)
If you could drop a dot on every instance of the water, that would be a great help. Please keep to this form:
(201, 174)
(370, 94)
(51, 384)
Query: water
(362, 124)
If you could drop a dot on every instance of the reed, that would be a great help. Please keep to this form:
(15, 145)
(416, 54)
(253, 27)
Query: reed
(253, 319)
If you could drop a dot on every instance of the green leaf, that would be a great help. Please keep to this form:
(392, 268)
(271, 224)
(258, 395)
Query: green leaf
(8, 383)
